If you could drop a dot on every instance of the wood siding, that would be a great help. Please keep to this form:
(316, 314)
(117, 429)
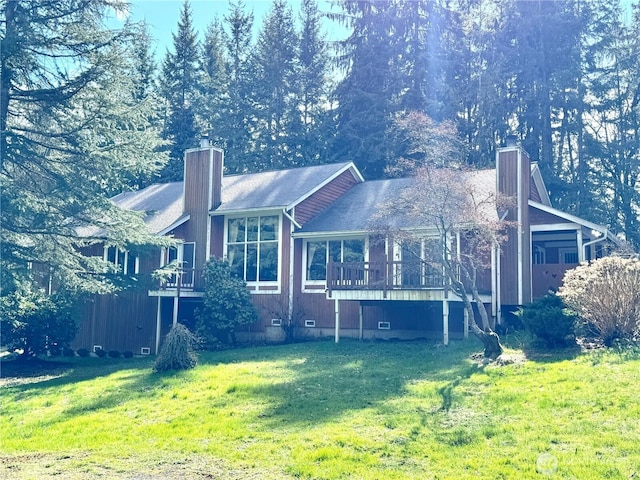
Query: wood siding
(318, 201)
(539, 217)
(515, 260)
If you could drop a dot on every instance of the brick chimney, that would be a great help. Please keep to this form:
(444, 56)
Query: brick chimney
(513, 179)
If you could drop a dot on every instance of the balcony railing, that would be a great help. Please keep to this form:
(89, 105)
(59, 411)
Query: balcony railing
(395, 275)
(184, 279)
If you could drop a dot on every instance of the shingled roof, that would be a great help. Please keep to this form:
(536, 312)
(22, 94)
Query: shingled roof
(163, 203)
(357, 209)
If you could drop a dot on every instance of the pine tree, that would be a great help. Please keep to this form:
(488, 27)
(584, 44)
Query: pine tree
(71, 134)
(275, 61)
(312, 130)
(238, 125)
(181, 77)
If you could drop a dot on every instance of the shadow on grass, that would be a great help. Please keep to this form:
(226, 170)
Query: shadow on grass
(323, 380)
(329, 380)
(536, 350)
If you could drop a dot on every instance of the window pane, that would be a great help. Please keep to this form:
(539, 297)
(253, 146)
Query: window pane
(252, 262)
(236, 230)
(131, 264)
(252, 229)
(188, 253)
(121, 258)
(269, 262)
(316, 260)
(335, 248)
(353, 251)
(268, 228)
(111, 254)
(172, 254)
(235, 257)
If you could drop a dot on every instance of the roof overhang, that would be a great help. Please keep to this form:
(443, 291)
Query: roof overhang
(574, 219)
(173, 225)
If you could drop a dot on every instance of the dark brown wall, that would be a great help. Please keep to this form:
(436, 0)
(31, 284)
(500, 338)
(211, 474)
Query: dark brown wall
(310, 207)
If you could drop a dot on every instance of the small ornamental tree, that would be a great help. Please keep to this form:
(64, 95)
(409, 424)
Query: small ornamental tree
(177, 351)
(606, 294)
(226, 303)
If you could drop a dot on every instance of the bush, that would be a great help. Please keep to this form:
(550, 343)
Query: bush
(128, 354)
(83, 352)
(100, 352)
(177, 351)
(550, 321)
(227, 304)
(114, 354)
(606, 295)
(69, 352)
(32, 321)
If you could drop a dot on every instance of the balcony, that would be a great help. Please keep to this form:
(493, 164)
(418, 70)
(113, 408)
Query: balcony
(395, 280)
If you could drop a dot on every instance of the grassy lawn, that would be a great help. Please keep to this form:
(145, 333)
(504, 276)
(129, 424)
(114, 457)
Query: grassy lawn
(325, 411)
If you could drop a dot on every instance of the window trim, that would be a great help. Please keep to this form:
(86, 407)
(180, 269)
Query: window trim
(306, 283)
(254, 286)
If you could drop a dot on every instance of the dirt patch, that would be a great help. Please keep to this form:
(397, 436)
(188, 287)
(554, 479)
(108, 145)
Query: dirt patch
(33, 370)
(79, 466)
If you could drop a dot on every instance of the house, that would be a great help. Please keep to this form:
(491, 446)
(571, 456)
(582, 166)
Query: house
(302, 240)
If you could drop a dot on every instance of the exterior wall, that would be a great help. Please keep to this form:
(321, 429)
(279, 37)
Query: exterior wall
(123, 322)
(318, 201)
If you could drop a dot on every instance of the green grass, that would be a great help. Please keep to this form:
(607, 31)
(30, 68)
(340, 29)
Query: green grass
(325, 411)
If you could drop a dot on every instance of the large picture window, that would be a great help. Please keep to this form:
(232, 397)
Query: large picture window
(252, 247)
(319, 252)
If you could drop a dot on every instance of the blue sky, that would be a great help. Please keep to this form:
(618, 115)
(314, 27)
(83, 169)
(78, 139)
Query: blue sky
(162, 17)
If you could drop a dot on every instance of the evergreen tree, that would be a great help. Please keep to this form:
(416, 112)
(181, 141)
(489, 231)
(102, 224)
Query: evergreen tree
(275, 61)
(238, 125)
(312, 129)
(71, 134)
(215, 82)
(181, 77)
(367, 93)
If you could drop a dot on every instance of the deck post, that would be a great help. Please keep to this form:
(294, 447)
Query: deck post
(466, 323)
(445, 322)
(175, 309)
(337, 311)
(361, 312)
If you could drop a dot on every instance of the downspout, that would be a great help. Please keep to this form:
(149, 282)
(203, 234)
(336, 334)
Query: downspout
(593, 242)
(291, 262)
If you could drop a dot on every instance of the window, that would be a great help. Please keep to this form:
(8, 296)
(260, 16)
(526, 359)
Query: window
(417, 263)
(128, 264)
(319, 253)
(252, 248)
(539, 255)
(568, 255)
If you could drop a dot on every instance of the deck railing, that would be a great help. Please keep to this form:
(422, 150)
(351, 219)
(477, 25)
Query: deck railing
(394, 275)
(184, 279)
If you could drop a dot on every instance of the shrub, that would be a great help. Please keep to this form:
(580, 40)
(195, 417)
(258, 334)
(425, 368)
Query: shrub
(32, 321)
(83, 352)
(606, 295)
(100, 352)
(550, 321)
(114, 354)
(128, 354)
(226, 304)
(177, 350)
(69, 352)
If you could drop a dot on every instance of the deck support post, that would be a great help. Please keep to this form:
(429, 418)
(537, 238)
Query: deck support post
(336, 303)
(445, 322)
(361, 318)
(158, 325)
(465, 323)
(175, 309)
